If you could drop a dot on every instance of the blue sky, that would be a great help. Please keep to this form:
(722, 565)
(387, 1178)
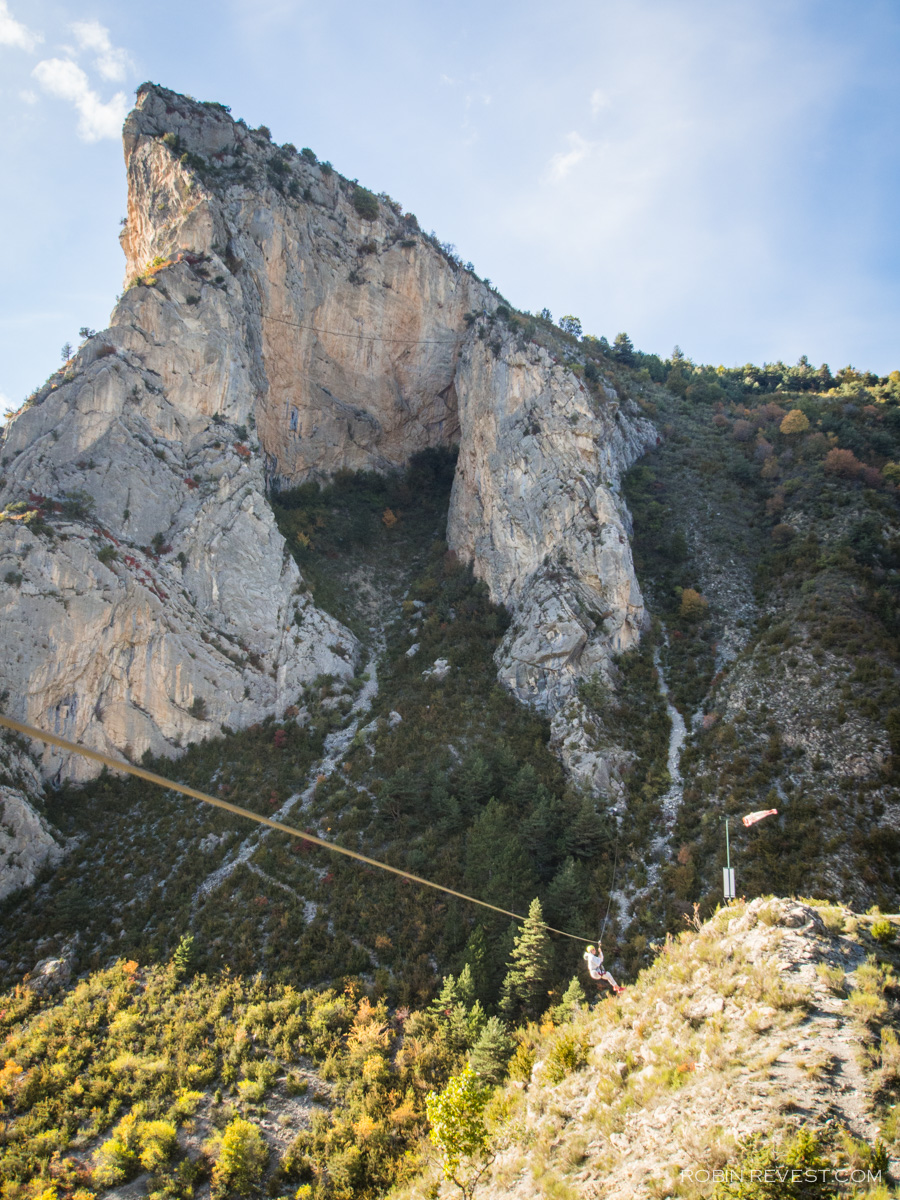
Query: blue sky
(719, 174)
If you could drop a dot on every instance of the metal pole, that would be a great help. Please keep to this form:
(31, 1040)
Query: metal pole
(727, 847)
(728, 888)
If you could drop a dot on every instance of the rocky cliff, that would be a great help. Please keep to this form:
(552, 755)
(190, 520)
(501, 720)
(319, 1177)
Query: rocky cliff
(280, 324)
(27, 842)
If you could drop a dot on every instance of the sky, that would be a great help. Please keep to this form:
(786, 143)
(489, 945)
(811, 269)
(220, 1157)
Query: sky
(718, 174)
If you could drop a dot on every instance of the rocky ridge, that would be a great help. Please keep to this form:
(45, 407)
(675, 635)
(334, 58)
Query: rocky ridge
(761, 1022)
(281, 324)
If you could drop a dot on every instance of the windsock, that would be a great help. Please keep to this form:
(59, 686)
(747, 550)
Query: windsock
(752, 818)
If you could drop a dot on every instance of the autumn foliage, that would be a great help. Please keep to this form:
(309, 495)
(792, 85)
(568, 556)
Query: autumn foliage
(796, 421)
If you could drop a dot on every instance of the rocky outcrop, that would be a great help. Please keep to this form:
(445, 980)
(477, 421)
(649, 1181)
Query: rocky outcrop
(281, 324)
(149, 599)
(747, 1030)
(536, 507)
(27, 842)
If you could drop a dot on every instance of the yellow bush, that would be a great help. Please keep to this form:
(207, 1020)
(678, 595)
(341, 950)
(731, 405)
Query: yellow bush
(566, 1054)
(890, 1056)
(693, 606)
(521, 1063)
(242, 1158)
(867, 1007)
(117, 1159)
(10, 1076)
(158, 1140)
(795, 422)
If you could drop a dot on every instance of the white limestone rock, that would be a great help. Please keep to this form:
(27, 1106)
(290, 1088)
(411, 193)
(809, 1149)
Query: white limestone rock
(438, 670)
(536, 506)
(27, 841)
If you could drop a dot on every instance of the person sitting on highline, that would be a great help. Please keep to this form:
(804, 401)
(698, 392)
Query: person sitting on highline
(594, 958)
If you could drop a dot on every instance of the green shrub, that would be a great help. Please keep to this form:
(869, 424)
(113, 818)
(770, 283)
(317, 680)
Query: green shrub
(566, 1054)
(107, 554)
(883, 931)
(158, 1141)
(241, 1161)
(769, 1172)
(365, 203)
(457, 1121)
(118, 1157)
(78, 505)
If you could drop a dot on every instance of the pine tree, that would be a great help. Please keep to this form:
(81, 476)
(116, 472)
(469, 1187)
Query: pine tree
(497, 866)
(444, 806)
(451, 993)
(567, 894)
(183, 957)
(524, 991)
(401, 795)
(459, 1013)
(573, 998)
(623, 350)
(473, 782)
(585, 835)
(525, 789)
(476, 958)
(492, 1052)
(540, 836)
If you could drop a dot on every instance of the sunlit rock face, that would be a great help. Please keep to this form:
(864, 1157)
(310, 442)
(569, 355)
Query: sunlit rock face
(271, 333)
(536, 507)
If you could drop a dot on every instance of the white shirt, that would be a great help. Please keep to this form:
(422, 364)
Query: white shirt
(594, 964)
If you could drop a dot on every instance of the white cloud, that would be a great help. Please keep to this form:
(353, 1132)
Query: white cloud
(66, 80)
(561, 164)
(599, 101)
(112, 62)
(14, 33)
(28, 96)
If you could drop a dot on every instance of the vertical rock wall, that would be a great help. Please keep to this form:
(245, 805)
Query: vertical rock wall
(537, 508)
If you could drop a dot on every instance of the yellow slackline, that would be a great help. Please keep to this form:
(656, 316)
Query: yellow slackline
(169, 784)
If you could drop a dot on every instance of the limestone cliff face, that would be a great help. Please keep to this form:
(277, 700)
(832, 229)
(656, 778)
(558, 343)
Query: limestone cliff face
(271, 334)
(342, 333)
(536, 506)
